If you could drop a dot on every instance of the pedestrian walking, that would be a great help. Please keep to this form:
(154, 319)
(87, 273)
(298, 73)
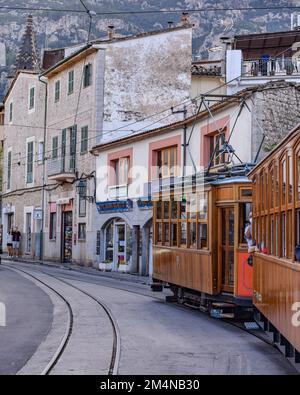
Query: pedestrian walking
(9, 243)
(16, 237)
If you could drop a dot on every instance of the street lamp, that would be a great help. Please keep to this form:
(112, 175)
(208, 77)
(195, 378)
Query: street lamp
(81, 190)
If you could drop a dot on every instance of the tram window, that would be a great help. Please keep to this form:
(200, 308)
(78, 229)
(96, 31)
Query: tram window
(174, 207)
(298, 169)
(193, 235)
(276, 236)
(290, 170)
(159, 232)
(166, 210)
(203, 207)
(272, 236)
(193, 207)
(262, 185)
(283, 175)
(167, 234)
(283, 235)
(272, 197)
(174, 234)
(202, 236)
(183, 233)
(183, 210)
(159, 210)
(245, 210)
(298, 226)
(276, 179)
(289, 232)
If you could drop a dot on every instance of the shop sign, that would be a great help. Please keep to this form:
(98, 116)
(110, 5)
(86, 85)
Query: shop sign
(115, 207)
(145, 204)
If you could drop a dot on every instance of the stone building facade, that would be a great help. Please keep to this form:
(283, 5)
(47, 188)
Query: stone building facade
(24, 148)
(23, 160)
(106, 89)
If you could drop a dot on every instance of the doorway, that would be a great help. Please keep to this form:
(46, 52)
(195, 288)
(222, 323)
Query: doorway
(28, 241)
(120, 244)
(227, 249)
(67, 235)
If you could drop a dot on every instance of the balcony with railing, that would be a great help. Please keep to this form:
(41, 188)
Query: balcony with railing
(118, 192)
(62, 168)
(272, 67)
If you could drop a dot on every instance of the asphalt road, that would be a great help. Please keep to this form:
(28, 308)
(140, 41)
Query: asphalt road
(29, 318)
(156, 337)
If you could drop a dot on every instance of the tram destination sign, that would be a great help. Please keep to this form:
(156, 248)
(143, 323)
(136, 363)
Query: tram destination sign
(119, 206)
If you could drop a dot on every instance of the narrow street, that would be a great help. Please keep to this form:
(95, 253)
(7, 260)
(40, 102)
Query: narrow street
(69, 322)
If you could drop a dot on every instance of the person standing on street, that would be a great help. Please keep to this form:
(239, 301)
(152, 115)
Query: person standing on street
(16, 236)
(10, 243)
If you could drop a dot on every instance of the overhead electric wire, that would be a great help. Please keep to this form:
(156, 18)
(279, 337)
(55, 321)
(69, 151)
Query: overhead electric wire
(153, 11)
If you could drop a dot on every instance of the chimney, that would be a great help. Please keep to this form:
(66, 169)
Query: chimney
(111, 31)
(185, 19)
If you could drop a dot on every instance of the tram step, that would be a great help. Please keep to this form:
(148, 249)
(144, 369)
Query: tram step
(223, 305)
(217, 313)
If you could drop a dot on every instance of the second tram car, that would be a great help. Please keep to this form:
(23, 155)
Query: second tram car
(276, 215)
(199, 247)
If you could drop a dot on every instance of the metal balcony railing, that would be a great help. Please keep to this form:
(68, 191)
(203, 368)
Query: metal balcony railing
(118, 192)
(271, 67)
(62, 165)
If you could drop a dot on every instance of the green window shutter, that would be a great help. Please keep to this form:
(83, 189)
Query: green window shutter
(10, 112)
(84, 140)
(9, 170)
(71, 82)
(63, 148)
(31, 98)
(30, 162)
(57, 91)
(54, 147)
(73, 143)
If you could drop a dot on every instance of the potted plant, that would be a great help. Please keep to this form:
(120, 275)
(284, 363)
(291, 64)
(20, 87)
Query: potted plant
(123, 266)
(106, 266)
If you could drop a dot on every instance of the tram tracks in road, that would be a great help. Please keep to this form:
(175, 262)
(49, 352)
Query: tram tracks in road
(62, 278)
(116, 349)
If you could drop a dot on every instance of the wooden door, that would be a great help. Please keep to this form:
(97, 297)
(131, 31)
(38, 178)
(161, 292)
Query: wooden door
(227, 249)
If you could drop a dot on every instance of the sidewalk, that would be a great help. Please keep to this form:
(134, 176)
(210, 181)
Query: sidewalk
(133, 278)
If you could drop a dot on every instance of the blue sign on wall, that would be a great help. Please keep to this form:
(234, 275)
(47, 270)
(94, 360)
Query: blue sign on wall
(115, 206)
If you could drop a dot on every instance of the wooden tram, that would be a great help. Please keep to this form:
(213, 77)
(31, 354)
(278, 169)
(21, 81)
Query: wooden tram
(276, 212)
(199, 247)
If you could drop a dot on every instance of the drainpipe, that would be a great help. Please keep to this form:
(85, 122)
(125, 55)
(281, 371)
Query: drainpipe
(44, 171)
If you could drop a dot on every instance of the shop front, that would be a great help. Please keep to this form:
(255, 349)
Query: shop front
(125, 236)
(118, 242)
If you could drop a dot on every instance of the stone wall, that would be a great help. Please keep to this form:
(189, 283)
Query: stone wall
(276, 109)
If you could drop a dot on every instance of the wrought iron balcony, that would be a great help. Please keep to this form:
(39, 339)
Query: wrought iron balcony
(62, 168)
(273, 67)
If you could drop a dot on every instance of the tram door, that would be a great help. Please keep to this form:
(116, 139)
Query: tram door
(227, 249)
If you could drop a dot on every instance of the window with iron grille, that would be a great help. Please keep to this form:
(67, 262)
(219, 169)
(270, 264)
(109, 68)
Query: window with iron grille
(52, 230)
(29, 177)
(82, 201)
(82, 232)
